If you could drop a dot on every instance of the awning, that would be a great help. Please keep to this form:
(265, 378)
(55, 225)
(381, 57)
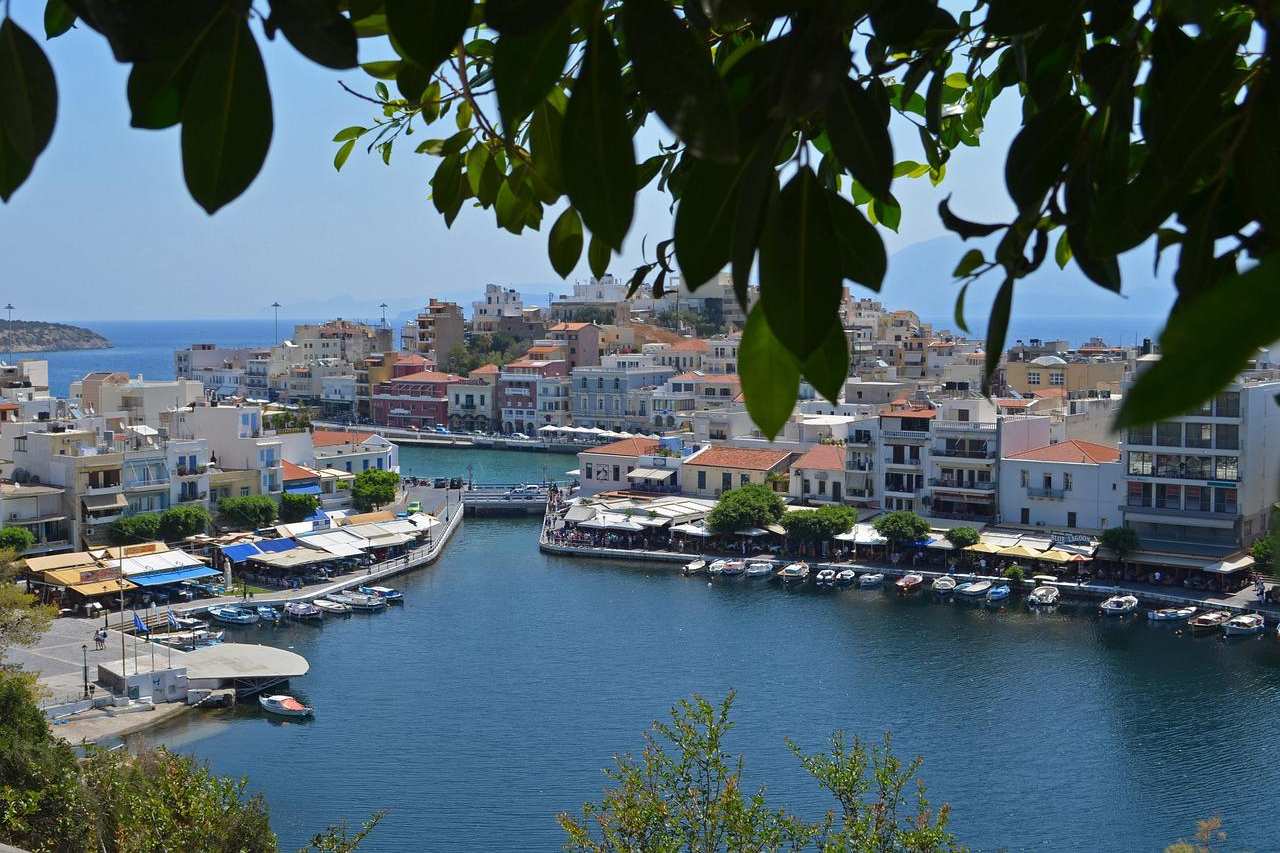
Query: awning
(163, 561)
(275, 546)
(310, 489)
(175, 576)
(293, 559)
(983, 548)
(100, 587)
(940, 543)
(1053, 555)
(1228, 567)
(97, 502)
(653, 474)
(691, 530)
(1020, 551)
(750, 531)
(240, 553)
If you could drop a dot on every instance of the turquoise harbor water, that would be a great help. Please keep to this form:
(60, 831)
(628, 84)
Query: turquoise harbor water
(493, 698)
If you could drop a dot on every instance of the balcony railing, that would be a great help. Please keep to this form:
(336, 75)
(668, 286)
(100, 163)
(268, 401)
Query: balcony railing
(906, 460)
(146, 482)
(976, 485)
(1055, 494)
(964, 426)
(956, 453)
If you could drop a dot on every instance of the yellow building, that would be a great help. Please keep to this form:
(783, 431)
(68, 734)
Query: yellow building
(1050, 371)
(713, 471)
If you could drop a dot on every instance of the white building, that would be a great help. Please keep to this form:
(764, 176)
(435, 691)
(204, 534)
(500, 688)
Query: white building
(236, 439)
(1071, 485)
(354, 452)
(140, 400)
(498, 302)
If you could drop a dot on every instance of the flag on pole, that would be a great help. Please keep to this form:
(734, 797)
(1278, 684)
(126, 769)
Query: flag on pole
(173, 621)
(138, 624)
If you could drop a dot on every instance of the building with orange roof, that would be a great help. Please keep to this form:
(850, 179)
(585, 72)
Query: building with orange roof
(417, 400)
(714, 470)
(581, 342)
(1069, 486)
(354, 451)
(818, 475)
(519, 401)
(1073, 374)
(682, 355)
(605, 468)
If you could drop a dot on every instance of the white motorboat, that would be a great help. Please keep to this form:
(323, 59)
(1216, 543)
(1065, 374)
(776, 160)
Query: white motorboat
(1244, 625)
(1171, 614)
(1119, 605)
(845, 577)
(1209, 621)
(716, 567)
(360, 601)
(386, 593)
(826, 578)
(337, 608)
(757, 571)
(234, 615)
(268, 614)
(793, 573)
(944, 584)
(870, 579)
(908, 584)
(303, 611)
(1044, 596)
(733, 569)
(695, 567)
(284, 706)
(973, 589)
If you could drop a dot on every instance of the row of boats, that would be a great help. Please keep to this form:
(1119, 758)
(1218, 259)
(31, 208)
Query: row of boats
(365, 598)
(994, 592)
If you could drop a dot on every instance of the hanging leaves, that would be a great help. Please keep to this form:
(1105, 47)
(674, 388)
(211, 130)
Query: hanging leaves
(770, 375)
(28, 105)
(827, 368)
(525, 68)
(564, 243)
(859, 133)
(427, 32)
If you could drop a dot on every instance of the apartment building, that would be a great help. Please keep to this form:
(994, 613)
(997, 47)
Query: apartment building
(607, 396)
(353, 451)
(499, 303)
(722, 354)
(1074, 376)
(25, 381)
(371, 371)
(1186, 490)
(1069, 486)
(818, 475)
(581, 342)
(85, 466)
(418, 400)
(41, 510)
(554, 400)
(683, 356)
(605, 468)
(237, 439)
(436, 330)
(518, 384)
(712, 471)
(140, 400)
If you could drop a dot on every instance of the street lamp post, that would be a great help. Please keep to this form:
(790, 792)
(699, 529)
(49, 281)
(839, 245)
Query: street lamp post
(84, 650)
(276, 307)
(9, 328)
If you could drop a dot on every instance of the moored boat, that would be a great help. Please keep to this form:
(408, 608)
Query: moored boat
(284, 706)
(908, 584)
(695, 567)
(1119, 605)
(303, 611)
(716, 567)
(756, 571)
(845, 577)
(870, 579)
(1044, 596)
(337, 608)
(360, 601)
(973, 589)
(386, 593)
(267, 614)
(793, 573)
(1171, 614)
(997, 594)
(944, 584)
(826, 578)
(1244, 625)
(234, 615)
(733, 569)
(1209, 621)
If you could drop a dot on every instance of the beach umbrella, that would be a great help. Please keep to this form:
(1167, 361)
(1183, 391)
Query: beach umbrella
(1055, 556)
(983, 548)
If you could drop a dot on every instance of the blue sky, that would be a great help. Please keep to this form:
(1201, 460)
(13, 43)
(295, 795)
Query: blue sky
(104, 228)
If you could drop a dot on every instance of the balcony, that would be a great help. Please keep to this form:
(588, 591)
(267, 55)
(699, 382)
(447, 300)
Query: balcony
(963, 426)
(106, 489)
(905, 434)
(1051, 494)
(905, 462)
(962, 485)
(955, 453)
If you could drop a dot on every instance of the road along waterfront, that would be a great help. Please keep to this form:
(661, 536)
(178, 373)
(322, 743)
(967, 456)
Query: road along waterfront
(495, 695)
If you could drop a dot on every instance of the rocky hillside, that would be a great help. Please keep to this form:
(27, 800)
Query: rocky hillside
(35, 336)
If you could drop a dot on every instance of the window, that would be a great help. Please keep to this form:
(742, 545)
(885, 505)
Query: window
(1168, 497)
(744, 479)
(1024, 478)
(365, 465)
(1033, 377)
(586, 471)
(1139, 494)
(1228, 437)
(702, 479)
(1199, 435)
(380, 461)
(615, 473)
(1197, 499)
(1226, 467)
(726, 481)
(1140, 435)
(1066, 482)
(244, 491)
(804, 485)
(1224, 500)
(1139, 463)
(1071, 519)
(1025, 516)
(1227, 404)
(1169, 434)
(1048, 482)
(348, 465)
(1056, 377)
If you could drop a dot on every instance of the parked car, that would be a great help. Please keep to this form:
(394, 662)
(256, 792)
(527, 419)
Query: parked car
(413, 506)
(455, 482)
(440, 483)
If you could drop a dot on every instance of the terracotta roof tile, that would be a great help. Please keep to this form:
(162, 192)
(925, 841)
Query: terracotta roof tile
(1073, 450)
(329, 438)
(747, 459)
(485, 369)
(691, 345)
(292, 472)
(426, 376)
(627, 447)
(823, 457)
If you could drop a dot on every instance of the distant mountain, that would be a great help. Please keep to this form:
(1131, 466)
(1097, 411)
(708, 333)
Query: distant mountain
(37, 336)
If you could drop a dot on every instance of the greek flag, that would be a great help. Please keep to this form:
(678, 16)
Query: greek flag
(173, 621)
(138, 624)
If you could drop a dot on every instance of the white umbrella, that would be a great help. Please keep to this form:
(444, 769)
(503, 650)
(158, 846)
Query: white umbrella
(549, 428)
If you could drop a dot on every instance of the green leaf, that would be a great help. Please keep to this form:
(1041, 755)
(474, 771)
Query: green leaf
(800, 266)
(545, 133)
(971, 260)
(512, 206)
(353, 132)
(28, 99)
(704, 220)
(463, 115)
(427, 32)
(887, 212)
(382, 69)
(997, 331)
(317, 30)
(1041, 150)
(598, 257)
(598, 161)
(380, 89)
(412, 80)
(13, 169)
(861, 251)
(344, 151)
(674, 72)
(1062, 251)
(964, 227)
(859, 133)
(226, 116)
(517, 17)
(1197, 359)
(959, 309)
(828, 367)
(933, 102)
(770, 375)
(526, 66)
(58, 18)
(564, 243)
(758, 184)
(446, 187)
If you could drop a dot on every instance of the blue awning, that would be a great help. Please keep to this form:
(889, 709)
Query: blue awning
(240, 553)
(162, 578)
(275, 546)
(311, 489)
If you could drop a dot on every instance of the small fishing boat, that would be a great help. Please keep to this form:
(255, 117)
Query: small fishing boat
(234, 615)
(189, 623)
(189, 639)
(793, 573)
(268, 614)
(360, 601)
(1209, 621)
(1119, 605)
(757, 571)
(845, 577)
(908, 584)
(391, 596)
(973, 589)
(336, 608)
(716, 567)
(303, 611)
(997, 594)
(1244, 625)
(284, 706)
(1171, 614)
(695, 567)
(733, 569)
(1044, 596)
(944, 584)
(826, 578)
(870, 579)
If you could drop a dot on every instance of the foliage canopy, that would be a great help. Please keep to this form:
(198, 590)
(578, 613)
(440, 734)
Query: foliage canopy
(248, 512)
(374, 488)
(297, 507)
(747, 506)
(963, 537)
(819, 525)
(1142, 125)
(901, 527)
